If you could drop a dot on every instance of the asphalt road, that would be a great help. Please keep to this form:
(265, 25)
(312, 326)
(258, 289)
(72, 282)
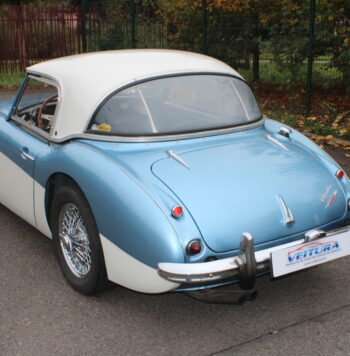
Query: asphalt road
(305, 314)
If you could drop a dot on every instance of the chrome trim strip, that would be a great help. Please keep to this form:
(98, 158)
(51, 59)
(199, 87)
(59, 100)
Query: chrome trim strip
(160, 138)
(173, 155)
(229, 267)
(276, 142)
(288, 216)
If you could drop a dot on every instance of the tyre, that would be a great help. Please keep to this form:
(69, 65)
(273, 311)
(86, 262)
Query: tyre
(76, 241)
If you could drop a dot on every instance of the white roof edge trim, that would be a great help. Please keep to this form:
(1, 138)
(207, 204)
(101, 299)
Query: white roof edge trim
(162, 138)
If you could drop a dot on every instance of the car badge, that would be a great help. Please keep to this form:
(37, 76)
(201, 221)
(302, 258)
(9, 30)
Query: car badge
(332, 199)
(325, 194)
(288, 215)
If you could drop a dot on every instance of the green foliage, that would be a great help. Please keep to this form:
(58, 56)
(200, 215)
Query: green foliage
(295, 121)
(270, 72)
(288, 119)
(333, 34)
(312, 125)
(11, 80)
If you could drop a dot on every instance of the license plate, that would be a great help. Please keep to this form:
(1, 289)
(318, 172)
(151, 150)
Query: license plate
(306, 255)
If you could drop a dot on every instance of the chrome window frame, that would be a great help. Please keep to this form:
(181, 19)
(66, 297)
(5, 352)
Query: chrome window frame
(34, 130)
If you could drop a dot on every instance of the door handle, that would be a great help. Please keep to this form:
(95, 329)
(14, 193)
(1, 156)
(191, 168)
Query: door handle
(26, 155)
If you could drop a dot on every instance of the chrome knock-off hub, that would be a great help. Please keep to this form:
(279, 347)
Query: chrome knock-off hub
(67, 242)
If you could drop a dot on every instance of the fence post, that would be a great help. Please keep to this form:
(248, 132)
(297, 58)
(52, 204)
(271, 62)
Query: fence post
(204, 27)
(310, 56)
(23, 60)
(256, 49)
(83, 25)
(133, 24)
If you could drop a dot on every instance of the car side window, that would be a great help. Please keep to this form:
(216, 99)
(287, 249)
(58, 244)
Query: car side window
(37, 105)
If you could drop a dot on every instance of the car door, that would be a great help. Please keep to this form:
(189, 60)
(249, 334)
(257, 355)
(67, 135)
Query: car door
(22, 137)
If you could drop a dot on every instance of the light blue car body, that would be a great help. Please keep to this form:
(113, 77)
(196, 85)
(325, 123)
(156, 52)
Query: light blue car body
(232, 186)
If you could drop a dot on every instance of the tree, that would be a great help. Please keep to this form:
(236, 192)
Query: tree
(333, 35)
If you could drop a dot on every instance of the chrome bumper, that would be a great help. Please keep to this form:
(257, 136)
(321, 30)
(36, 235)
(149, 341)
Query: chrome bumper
(244, 267)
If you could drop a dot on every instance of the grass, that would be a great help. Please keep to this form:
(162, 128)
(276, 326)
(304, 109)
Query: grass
(11, 80)
(270, 72)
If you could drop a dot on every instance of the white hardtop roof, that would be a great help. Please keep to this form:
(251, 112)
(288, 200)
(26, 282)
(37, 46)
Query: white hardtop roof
(84, 80)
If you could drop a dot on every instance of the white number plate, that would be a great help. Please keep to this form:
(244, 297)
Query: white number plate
(309, 254)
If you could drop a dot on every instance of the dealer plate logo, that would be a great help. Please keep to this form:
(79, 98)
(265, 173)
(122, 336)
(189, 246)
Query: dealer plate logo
(315, 249)
(294, 258)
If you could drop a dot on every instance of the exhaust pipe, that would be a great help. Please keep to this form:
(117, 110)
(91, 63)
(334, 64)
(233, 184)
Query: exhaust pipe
(218, 296)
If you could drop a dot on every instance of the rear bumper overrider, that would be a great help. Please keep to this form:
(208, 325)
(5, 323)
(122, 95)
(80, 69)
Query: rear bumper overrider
(243, 268)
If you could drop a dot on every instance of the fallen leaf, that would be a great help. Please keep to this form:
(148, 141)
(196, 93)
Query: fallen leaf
(343, 131)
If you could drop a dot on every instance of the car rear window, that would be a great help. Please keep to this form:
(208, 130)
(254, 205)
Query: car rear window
(174, 105)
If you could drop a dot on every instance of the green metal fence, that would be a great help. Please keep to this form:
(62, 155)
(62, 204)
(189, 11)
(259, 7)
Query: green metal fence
(294, 57)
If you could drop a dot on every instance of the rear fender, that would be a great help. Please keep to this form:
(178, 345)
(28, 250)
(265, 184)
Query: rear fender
(126, 214)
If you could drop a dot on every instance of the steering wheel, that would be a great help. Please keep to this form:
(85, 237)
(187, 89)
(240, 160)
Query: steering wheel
(40, 112)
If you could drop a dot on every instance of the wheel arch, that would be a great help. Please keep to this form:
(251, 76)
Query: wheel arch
(55, 181)
(136, 275)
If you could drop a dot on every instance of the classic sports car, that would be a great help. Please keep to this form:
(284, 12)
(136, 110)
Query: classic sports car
(154, 169)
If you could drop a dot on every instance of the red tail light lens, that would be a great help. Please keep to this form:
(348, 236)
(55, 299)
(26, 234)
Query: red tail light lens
(176, 211)
(194, 247)
(340, 174)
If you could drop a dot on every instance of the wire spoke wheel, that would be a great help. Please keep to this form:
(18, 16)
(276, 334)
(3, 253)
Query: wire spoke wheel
(74, 240)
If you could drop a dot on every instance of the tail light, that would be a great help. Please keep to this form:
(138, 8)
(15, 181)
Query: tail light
(176, 211)
(194, 247)
(340, 174)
